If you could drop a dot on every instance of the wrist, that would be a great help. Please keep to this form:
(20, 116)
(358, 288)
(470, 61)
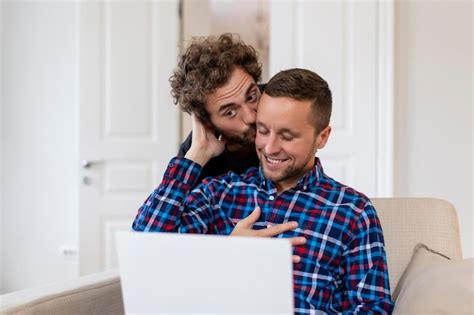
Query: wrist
(198, 157)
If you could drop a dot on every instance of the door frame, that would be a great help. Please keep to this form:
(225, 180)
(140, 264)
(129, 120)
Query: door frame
(385, 98)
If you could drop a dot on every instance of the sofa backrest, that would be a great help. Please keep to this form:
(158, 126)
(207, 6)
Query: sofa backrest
(409, 221)
(405, 222)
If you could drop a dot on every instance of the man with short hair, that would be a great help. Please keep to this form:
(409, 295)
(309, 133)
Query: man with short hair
(342, 266)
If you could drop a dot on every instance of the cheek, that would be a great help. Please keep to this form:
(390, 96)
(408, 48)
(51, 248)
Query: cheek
(220, 124)
(227, 125)
(297, 150)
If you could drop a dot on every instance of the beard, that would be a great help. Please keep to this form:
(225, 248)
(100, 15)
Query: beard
(247, 138)
(293, 171)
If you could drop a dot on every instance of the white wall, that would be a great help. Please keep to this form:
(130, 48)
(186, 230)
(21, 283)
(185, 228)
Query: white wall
(1, 151)
(433, 128)
(40, 141)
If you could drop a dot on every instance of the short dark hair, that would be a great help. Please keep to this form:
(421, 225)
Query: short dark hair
(303, 85)
(206, 65)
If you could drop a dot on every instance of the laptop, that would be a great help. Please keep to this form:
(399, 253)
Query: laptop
(164, 273)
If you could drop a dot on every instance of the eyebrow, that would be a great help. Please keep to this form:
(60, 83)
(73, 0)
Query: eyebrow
(225, 106)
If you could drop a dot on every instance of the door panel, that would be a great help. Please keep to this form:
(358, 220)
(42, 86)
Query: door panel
(129, 127)
(339, 41)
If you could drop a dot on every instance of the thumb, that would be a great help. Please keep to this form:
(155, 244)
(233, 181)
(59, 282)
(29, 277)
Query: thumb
(252, 218)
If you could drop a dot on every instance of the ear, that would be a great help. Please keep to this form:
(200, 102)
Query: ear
(323, 137)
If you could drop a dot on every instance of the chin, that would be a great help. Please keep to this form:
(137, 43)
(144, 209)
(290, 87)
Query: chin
(271, 176)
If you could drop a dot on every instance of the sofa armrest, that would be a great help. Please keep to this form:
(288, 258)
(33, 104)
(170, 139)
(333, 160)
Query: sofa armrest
(98, 293)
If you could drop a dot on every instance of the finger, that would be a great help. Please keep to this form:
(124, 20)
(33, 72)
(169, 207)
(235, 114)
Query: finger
(251, 219)
(295, 241)
(279, 228)
(195, 120)
(197, 126)
(296, 259)
(206, 129)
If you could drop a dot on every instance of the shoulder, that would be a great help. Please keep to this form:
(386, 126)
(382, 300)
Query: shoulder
(354, 210)
(232, 179)
(346, 197)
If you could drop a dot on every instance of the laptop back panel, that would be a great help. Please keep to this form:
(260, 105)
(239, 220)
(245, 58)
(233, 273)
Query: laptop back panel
(182, 273)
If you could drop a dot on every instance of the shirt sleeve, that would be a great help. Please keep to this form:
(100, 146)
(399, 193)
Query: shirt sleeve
(366, 272)
(167, 208)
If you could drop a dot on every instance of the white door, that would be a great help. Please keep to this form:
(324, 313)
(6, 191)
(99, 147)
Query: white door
(346, 43)
(129, 127)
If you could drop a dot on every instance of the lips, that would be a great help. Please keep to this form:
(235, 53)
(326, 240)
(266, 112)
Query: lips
(274, 161)
(274, 164)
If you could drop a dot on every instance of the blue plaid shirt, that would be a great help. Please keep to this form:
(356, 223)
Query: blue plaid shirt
(343, 266)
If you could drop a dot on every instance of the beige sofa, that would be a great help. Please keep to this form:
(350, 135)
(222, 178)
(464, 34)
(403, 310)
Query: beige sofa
(405, 221)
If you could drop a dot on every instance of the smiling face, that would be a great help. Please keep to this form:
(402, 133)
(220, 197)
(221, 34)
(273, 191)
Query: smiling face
(286, 139)
(232, 108)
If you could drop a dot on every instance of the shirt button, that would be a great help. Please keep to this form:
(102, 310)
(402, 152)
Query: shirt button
(271, 197)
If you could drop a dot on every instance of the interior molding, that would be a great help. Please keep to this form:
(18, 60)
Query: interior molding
(385, 98)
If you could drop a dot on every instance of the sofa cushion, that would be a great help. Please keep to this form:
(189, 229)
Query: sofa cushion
(434, 284)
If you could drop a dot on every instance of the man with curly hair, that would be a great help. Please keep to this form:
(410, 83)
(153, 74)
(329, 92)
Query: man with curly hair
(216, 81)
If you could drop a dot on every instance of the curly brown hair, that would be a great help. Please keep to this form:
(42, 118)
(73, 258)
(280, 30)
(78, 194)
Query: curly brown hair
(206, 65)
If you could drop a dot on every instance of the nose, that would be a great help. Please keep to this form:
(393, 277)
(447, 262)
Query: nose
(249, 114)
(272, 147)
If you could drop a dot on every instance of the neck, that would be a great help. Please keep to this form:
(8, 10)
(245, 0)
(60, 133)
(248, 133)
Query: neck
(291, 182)
(285, 185)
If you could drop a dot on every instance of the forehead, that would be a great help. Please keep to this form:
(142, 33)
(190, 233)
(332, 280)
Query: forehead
(284, 113)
